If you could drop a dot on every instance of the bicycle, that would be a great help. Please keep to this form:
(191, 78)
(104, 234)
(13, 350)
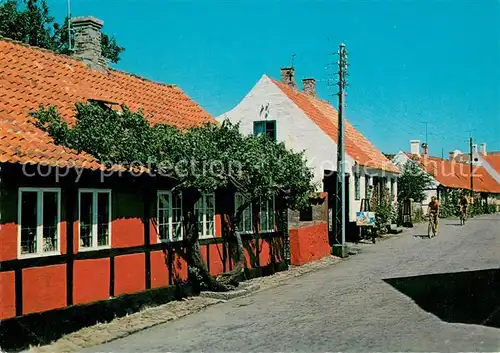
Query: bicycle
(462, 215)
(430, 226)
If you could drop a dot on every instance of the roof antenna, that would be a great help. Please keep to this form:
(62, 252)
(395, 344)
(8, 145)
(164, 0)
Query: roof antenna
(69, 25)
(293, 59)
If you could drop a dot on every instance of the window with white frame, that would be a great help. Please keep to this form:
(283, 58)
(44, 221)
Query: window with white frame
(246, 224)
(393, 182)
(39, 216)
(169, 208)
(205, 211)
(94, 209)
(266, 215)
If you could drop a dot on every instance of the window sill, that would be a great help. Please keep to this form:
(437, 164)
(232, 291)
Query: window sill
(202, 237)
(268, 231)
(166, 241)
(35, 255)
(94, 248)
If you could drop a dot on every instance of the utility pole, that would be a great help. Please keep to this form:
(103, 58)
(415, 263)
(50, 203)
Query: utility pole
(340, 210)
(471, 168)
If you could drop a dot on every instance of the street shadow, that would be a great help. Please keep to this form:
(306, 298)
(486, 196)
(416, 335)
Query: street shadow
(471, 297)
(421, 236)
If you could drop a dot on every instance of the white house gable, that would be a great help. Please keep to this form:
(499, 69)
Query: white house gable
(268, 102)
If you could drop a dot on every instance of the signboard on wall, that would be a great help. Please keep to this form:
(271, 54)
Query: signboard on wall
(365, 219)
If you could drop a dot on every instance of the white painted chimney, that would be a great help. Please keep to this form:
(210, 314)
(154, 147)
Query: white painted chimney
(452, 155)
(474, 150)
(415, 147)
(483, 149)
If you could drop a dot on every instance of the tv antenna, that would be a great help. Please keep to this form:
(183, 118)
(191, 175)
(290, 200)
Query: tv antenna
(69, 25)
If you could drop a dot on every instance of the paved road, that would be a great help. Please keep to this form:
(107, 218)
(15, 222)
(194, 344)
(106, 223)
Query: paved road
(359, 305)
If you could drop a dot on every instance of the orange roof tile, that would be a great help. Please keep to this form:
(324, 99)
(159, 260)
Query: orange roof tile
(453, 174)
(326, 117)
(30, 77)
(493, 160)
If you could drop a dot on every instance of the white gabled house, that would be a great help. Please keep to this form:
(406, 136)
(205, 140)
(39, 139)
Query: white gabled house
(454, 172)
(307, 123)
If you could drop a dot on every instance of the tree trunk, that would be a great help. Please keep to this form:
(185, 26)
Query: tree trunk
(197, 269)
(235, 276)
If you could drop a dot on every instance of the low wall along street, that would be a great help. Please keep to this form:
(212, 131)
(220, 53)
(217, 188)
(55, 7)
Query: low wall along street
(309, 232)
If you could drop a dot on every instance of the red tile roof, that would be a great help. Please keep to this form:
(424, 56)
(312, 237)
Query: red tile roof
(453, 174)
(493, 160)
(326, 117)
(31, 76)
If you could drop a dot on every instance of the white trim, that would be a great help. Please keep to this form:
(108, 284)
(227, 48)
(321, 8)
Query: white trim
(236, 194)
(272, 214)
(39, 219)
(95, 228)
(170, 216)
(204, 232)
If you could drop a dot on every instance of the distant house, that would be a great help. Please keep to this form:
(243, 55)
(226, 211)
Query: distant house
(305, 122)
(451, 173)
(69, 236)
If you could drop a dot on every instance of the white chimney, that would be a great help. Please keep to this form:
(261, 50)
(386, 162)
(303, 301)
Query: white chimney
(452, 155)
(474, 149)
(415, 147)
(483, 149)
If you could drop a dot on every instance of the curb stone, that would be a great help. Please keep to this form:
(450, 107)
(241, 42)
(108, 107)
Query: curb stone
(242, 291)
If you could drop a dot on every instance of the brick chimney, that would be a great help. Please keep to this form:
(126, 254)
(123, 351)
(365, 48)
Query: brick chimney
(425, 148)
(288, 77)
(87, 45)
(309, 85)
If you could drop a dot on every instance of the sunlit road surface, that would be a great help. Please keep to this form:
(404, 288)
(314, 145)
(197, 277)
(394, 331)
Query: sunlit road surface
(407, 293)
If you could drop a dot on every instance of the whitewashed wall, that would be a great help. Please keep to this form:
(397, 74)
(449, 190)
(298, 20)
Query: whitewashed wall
(294, 128)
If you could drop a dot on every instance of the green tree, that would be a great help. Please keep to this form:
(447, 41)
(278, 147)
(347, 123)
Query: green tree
(203, 159)
(29, 21)
(413, 182)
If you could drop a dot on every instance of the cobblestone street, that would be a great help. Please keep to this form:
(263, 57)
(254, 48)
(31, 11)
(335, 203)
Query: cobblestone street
(407, 293)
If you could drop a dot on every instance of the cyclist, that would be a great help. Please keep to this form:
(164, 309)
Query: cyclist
(433, 211)
(463, 202)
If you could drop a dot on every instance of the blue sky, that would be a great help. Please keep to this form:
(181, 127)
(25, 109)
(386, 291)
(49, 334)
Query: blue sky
(411, 61)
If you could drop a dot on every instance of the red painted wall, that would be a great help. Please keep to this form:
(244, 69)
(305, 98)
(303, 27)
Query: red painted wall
(90, 280)
(8, 241)
(264, 252)
(129, 274)
(309, 243)
(216, 258)
(159, 269)
(44, 288)
(180, 269)
(127, 232)
(7, 295)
